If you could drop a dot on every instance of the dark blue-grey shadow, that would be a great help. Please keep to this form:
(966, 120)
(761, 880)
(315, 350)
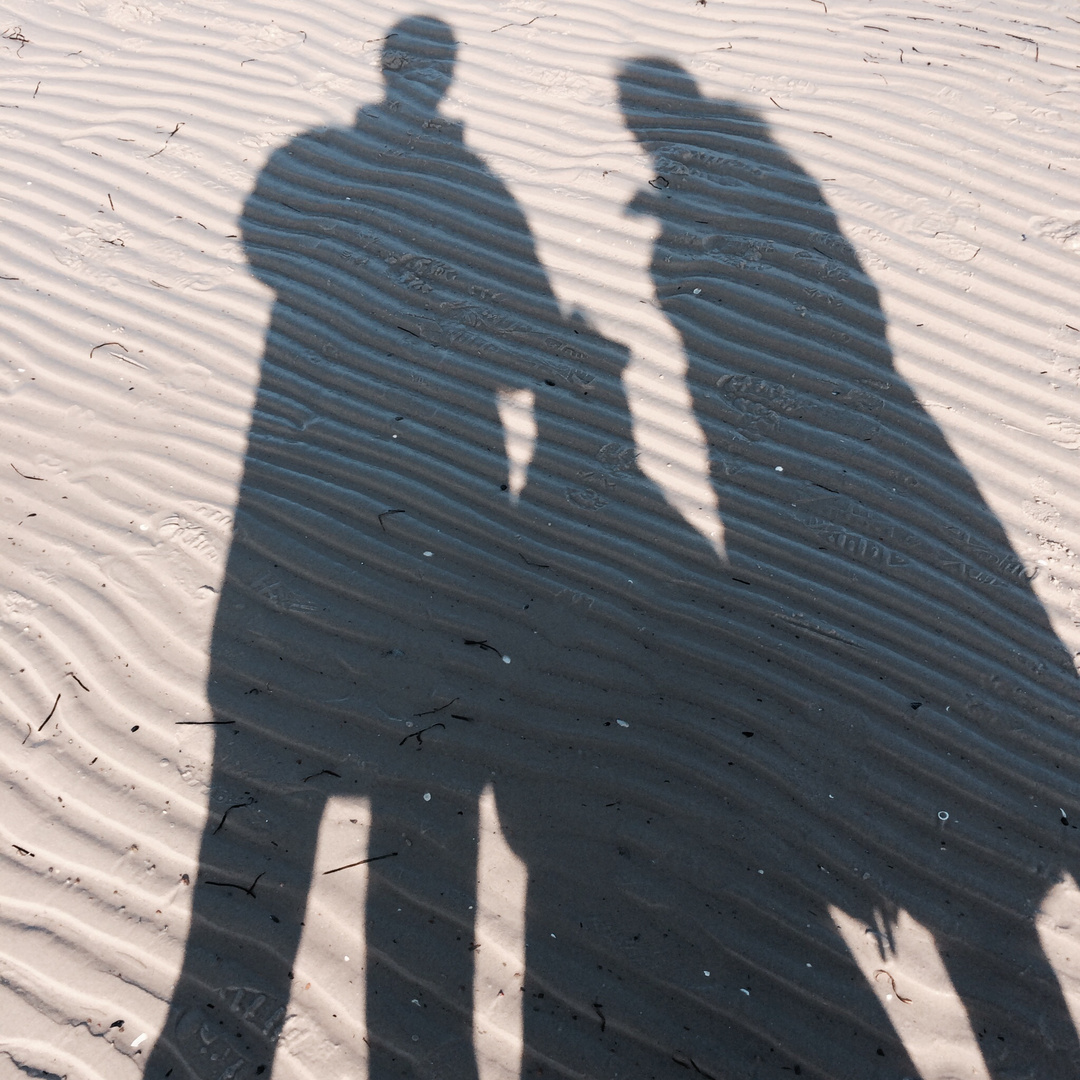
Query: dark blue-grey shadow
(379, 570)
(667, 727)
(912, 668)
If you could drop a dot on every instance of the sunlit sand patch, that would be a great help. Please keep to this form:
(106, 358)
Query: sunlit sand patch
(672, 451)
(501, 881)
(1058, 925)
(516, 411)
(917, 994)
(671, 447)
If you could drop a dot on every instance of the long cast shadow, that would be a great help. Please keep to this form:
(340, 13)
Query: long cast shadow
(866, 709)
(380, 571)
(665, 728)
(905, 664)
(406, 294)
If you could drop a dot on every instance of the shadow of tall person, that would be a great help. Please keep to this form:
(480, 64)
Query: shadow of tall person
(376, 556)
(874, 654)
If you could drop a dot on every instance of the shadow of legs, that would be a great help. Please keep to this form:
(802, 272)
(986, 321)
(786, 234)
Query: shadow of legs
(232, 996)
(1002, 977)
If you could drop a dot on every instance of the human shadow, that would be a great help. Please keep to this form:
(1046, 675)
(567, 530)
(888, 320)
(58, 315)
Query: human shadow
(880, 716)
(666, 727)
(374, 439)
(380, 571)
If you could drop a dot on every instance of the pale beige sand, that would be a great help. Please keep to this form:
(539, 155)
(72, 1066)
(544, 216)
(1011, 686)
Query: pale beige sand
(943, 138)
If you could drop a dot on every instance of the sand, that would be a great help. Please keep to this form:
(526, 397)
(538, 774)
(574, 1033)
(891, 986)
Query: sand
(610, 465)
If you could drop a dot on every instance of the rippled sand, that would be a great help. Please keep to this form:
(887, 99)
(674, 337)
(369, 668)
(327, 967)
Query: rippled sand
(716, 364)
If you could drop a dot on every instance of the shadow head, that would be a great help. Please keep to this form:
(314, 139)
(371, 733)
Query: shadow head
(660, 99)
(418, 60)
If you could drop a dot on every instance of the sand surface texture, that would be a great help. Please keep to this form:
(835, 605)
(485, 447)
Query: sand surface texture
(540, 539)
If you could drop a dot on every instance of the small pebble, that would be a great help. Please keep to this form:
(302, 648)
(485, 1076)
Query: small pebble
(506, 659)
(427, 796)
(621, 723)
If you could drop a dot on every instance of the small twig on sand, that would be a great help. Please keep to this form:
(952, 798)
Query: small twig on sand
(431, 712)
(529, 23)
(179, 125)
(417, 735)
(235, 806)
(51, 711)
(899, 996)
(321, 772)
(361, 862)
(118, 344)
(250, 889)
(15, 33)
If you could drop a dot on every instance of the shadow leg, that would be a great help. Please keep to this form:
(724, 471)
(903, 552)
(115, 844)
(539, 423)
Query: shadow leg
(232, 996)
(420, 915)
(1014, 1001)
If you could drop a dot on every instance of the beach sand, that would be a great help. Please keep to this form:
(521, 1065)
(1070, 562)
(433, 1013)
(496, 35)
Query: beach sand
(609, 465)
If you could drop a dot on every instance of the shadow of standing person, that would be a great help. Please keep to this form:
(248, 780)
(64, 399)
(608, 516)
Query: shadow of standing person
(374, 557)
(914, 670)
